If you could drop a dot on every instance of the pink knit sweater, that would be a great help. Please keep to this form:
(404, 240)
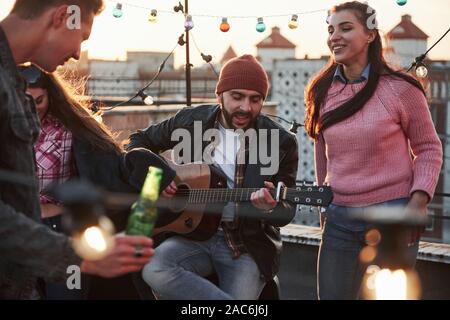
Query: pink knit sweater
(366, 158)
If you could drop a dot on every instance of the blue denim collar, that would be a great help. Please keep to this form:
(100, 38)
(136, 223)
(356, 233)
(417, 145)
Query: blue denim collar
(339, 74)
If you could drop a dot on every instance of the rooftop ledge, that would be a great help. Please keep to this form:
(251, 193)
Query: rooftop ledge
(299, 234)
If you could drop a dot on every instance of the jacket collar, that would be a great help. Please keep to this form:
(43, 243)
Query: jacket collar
(8, 63)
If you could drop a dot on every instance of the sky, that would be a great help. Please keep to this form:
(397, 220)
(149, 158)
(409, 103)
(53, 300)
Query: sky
(112, 37)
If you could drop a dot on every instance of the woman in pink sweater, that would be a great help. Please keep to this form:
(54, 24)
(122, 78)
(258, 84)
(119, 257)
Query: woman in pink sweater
(375, 144)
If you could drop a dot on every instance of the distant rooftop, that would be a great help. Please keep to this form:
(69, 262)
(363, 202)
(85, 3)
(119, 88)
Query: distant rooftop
(276, 40)
(406, 29)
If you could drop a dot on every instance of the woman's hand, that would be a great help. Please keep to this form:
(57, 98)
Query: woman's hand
(418, 203)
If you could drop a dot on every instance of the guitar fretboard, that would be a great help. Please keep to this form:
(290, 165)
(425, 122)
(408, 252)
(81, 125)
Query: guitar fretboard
(217, 195)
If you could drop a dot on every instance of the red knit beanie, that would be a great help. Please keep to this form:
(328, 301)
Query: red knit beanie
(243, 72)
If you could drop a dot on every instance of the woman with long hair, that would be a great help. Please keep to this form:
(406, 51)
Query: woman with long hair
(73, 144)
(375, 144)
(65, 117)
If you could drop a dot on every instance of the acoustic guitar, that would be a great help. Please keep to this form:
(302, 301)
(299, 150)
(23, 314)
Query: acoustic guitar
(195, 211)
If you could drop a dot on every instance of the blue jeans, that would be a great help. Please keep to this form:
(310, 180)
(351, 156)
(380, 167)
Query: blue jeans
(178, 268)
(339, 270)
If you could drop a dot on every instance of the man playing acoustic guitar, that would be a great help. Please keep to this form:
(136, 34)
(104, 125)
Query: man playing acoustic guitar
(244, 252)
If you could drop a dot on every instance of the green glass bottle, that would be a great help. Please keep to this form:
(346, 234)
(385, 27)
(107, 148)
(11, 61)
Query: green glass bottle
(144, 212)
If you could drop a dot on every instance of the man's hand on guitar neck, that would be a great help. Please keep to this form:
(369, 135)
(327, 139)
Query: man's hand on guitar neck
(170, 191)
(262, 199)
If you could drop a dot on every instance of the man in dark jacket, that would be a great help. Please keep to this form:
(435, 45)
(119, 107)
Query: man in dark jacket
(45, 33)
(245, 250)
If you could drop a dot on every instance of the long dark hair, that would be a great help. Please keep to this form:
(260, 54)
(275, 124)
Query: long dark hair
(317, 89)
(68, 104)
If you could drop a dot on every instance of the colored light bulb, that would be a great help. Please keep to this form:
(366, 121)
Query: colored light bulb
(260, 26)
(153, 17)
(188, 24)
(402, 2)
(117, 12)
(224, 26)
(293, 24)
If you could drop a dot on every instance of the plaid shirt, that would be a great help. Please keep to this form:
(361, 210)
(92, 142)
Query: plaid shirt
(53, 155)
(231, 228)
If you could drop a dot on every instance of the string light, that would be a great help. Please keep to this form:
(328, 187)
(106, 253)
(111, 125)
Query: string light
(206, 58)
(179, 7)
(148, 100)
(153, 16)
(402, 2)
(181, 41)
(188, 24)
(224, 26)
(117, 12)
(293, 24)
(421, 70)
(260, 26)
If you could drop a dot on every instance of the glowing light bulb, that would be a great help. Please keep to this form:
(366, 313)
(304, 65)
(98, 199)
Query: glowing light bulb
(260, 26)
(390, 285)
(188, 24)
(224, 26)
(402, 2)
(153, 16)
(95, 242)
(421, 71)
(95, 239)
(117, 12)
(293, 24)
(149, 101)
(385, 284)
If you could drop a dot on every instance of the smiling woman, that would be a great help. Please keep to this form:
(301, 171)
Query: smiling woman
(366, 120)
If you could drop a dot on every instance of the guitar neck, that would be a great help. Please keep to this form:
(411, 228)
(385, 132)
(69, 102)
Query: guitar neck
(220, 195)
(306, 195)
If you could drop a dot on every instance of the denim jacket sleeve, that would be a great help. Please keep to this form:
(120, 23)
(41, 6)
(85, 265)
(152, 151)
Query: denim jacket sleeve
(24, 242)
(32, 245)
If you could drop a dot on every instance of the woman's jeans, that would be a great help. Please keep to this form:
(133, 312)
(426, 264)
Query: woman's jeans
(178, 268)
(340, 272)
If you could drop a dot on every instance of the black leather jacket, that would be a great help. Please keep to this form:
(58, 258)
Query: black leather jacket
(261, 237)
